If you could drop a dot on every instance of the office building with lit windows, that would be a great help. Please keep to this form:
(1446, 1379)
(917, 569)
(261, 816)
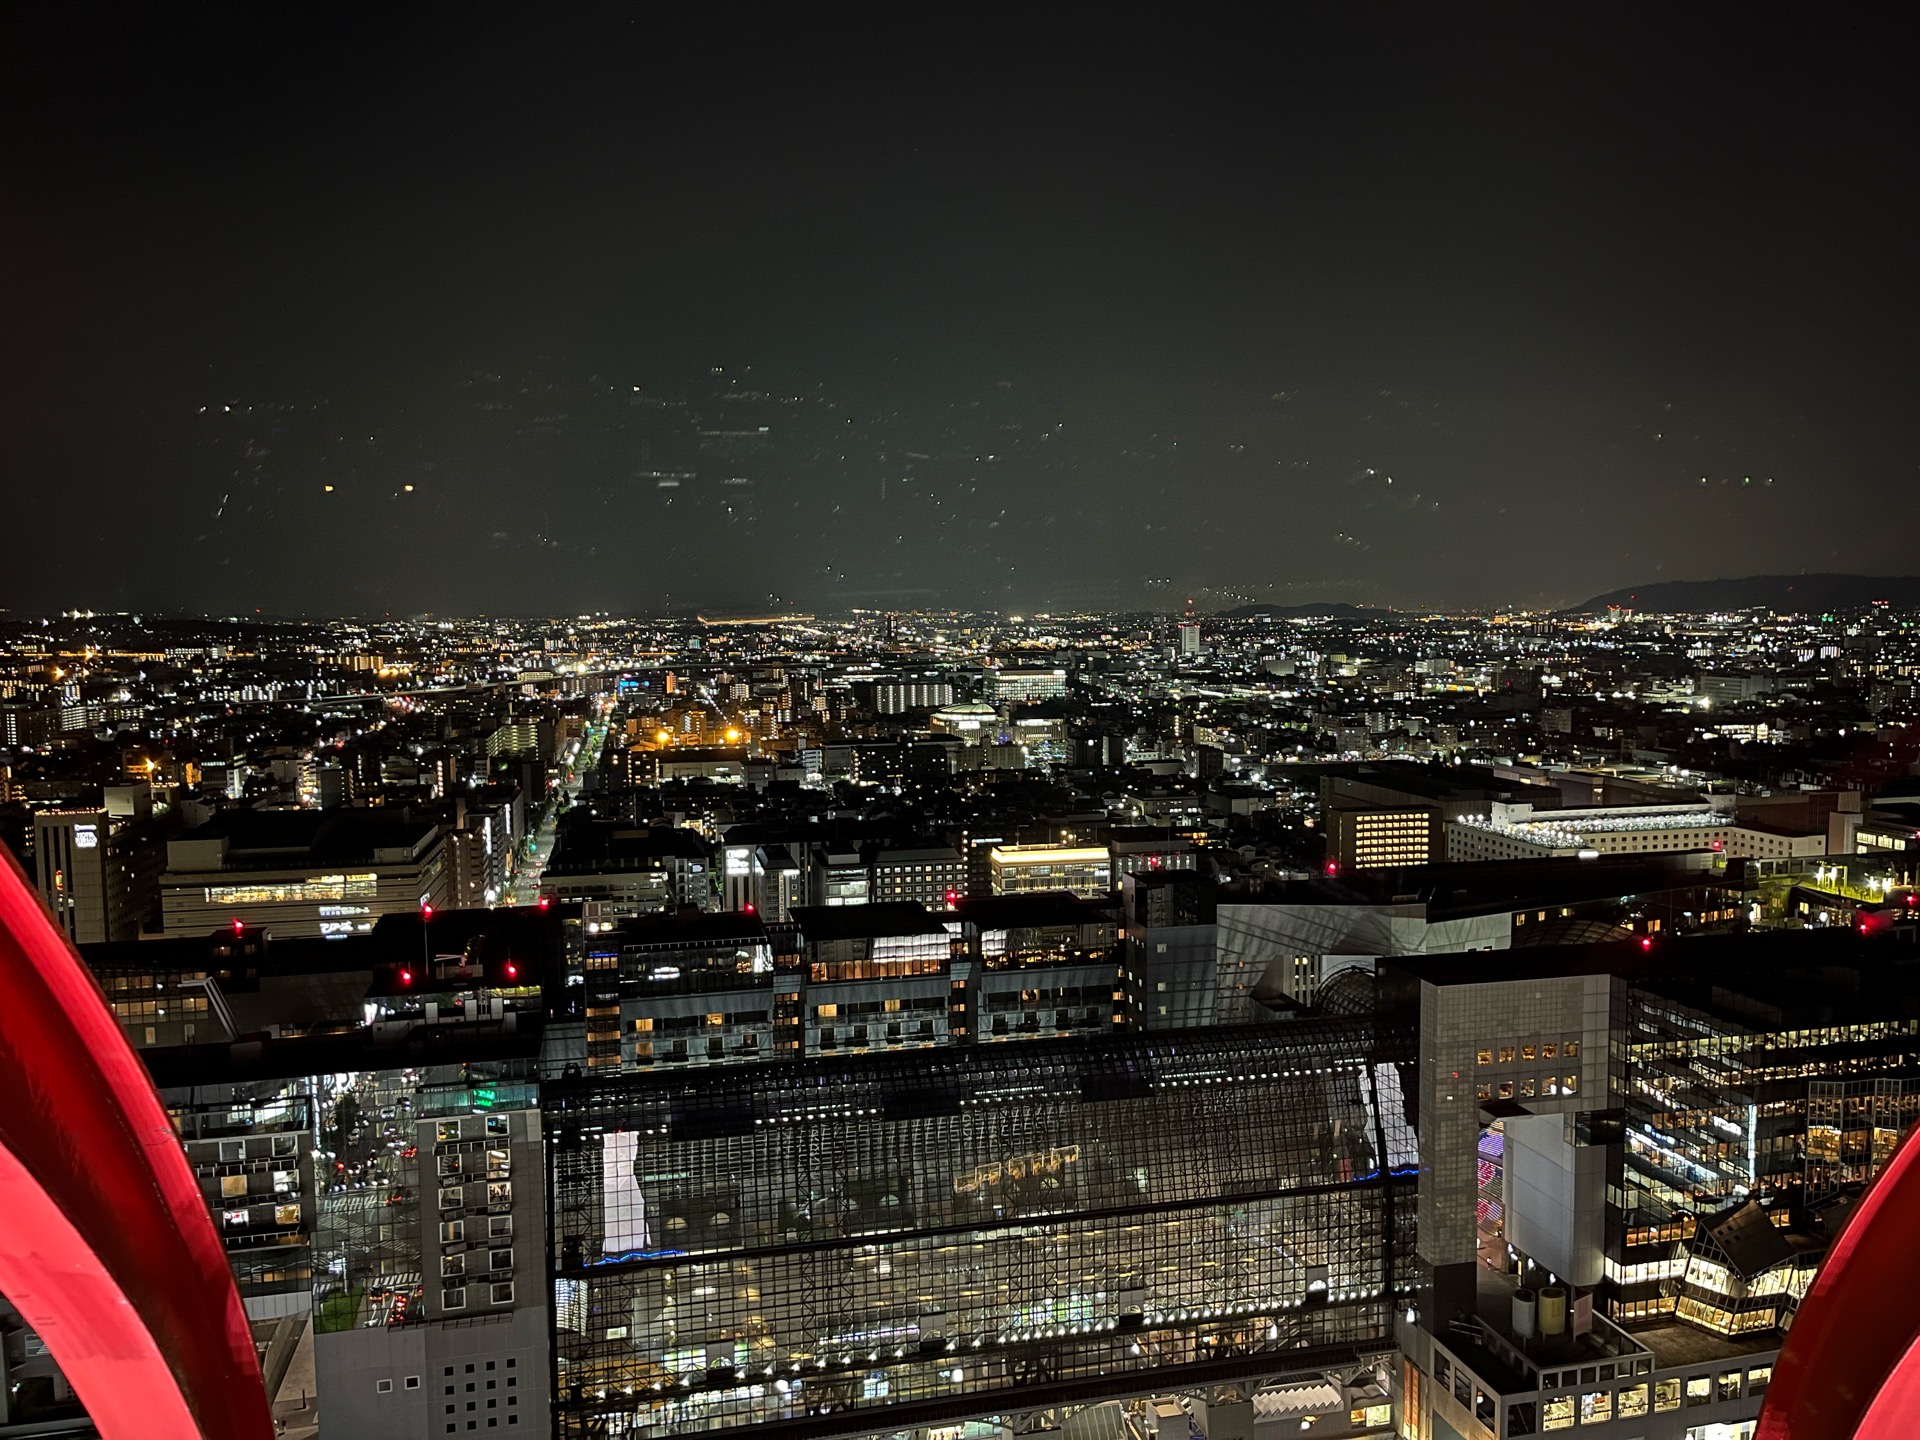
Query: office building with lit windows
(1038, 965)
(1632, 1158)
(1086, 870)
(685, 989)
(1383, 838)
(933, 875)
(329, 873)
(1024, 686)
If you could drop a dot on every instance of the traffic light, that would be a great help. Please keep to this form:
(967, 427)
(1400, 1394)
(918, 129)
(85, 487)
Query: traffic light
(406, 978)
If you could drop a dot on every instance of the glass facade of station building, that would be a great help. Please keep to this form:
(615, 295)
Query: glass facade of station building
(915, 1239)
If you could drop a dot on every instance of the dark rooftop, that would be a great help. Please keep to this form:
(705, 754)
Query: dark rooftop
(583, 846)
(821, 924)
(692, 928)
(1437, 782)
(345, 834)
(1487, 887)
(1044, 908)
(1687, 965)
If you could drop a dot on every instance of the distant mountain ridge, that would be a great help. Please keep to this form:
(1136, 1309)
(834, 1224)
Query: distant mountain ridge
(1777, 592)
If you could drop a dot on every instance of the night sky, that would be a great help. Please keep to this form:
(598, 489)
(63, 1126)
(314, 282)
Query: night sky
(1401, 306)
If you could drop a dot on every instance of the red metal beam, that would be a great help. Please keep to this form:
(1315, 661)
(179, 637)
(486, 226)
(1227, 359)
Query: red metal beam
(108, 1250)
(1850, 1369)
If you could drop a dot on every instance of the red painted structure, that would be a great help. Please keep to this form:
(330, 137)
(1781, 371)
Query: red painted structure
(106, 1246)
(1850, 1369)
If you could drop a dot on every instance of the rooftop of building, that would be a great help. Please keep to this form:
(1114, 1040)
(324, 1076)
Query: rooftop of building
(1754, 978)
(1436, 782)
(1146, 837)
(1043, 908)
(824, 924)
(692, 927)
(1107, 1066)
(1458, 889)
(345, 835)
(583, 846)
(912, 854)
(476, 1045)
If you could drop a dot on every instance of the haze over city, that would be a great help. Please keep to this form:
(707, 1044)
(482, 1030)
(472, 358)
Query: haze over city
(599, 311)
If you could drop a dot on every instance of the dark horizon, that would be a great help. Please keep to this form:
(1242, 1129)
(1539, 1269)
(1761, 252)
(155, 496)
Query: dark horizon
(1511, 310)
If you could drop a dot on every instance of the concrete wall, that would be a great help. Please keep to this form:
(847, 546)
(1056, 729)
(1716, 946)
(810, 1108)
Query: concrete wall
(481, 1377)
(1556, 1195)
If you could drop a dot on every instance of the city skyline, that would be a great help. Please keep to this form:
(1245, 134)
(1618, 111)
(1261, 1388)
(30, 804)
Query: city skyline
(908, 725)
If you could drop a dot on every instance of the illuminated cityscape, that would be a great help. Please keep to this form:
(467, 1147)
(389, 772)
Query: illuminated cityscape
(709, 731)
